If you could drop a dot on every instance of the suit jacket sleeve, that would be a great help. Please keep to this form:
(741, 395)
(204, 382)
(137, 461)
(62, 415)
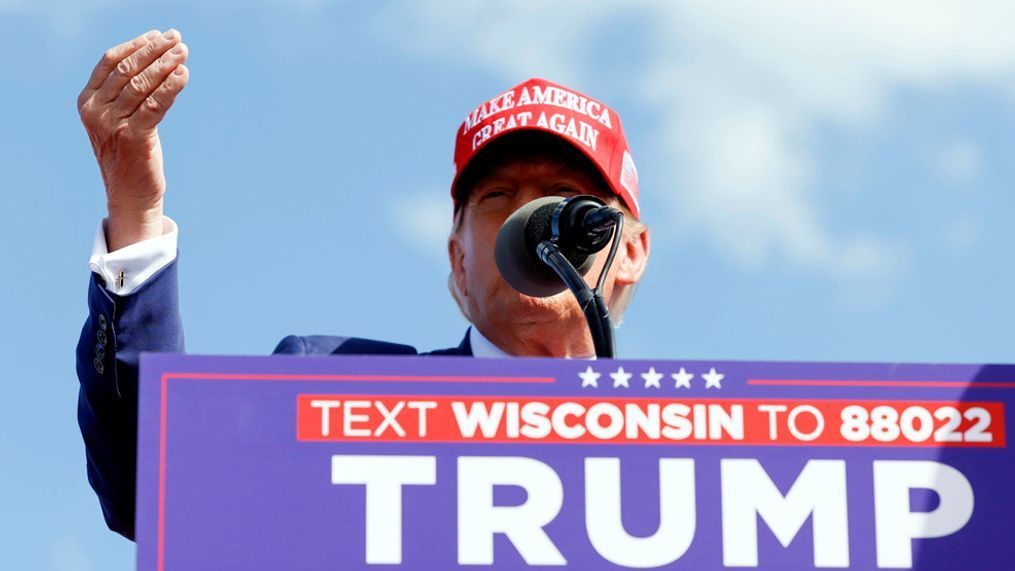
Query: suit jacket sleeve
(117, 330)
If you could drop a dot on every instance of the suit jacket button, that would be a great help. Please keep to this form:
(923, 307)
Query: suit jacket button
(102, 322)
(100, 350)
(99, 367)
(101, 336)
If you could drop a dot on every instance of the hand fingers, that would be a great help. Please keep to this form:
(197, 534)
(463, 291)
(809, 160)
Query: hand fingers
(143, 84)
(134, 64)
(110, 58)
(154, 107)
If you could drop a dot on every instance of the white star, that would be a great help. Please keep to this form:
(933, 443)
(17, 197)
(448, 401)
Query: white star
(620, 378)
(652, 378)
(589, 378)
(712, 379)
(683, 378)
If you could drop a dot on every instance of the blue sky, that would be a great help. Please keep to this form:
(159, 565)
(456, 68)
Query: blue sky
(823, 182)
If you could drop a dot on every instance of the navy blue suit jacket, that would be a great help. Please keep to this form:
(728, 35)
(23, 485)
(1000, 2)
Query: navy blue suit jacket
(117, 330)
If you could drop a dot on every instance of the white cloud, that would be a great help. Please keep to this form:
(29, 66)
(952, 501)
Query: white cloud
(962, 233)
(960, 162)
(738, 91)
(423, 220)
(518, 39)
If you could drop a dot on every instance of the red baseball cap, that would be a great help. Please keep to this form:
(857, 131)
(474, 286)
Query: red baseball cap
(540, 105)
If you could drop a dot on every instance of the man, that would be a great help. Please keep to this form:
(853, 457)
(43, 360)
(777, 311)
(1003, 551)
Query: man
(534, 140)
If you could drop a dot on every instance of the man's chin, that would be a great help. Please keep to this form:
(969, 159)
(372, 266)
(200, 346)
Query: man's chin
(525, 309)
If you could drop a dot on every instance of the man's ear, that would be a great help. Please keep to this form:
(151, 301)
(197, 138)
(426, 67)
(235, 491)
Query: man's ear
(635, 246)
(456, 255)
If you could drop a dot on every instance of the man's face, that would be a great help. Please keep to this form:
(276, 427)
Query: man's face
(489, 300)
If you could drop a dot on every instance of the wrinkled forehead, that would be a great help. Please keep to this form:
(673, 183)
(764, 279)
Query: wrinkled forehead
(552, 164)
(546, 169)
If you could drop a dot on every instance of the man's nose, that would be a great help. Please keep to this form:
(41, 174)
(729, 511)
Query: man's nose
(528, 193)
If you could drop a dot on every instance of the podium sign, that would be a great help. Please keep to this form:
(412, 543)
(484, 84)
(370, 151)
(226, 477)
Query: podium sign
(447, 462)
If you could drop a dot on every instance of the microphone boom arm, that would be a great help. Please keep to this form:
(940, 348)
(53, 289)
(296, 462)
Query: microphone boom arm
(591, 301)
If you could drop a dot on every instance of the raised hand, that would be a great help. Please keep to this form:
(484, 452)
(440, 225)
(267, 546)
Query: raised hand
(127, 95)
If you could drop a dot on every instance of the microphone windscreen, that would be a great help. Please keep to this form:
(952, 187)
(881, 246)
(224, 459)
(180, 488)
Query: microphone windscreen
(515, 250)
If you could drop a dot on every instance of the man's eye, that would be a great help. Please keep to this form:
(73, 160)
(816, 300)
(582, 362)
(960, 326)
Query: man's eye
(566, 191)
(492, 194)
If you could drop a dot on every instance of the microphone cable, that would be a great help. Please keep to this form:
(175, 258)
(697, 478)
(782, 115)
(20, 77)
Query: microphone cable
(591, 301)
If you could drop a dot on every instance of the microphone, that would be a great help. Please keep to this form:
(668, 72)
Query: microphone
(579, 226)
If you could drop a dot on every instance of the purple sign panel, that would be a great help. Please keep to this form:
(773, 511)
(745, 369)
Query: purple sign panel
(442, 463)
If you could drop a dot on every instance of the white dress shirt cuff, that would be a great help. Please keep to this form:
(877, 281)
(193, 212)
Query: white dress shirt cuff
(127, 269)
